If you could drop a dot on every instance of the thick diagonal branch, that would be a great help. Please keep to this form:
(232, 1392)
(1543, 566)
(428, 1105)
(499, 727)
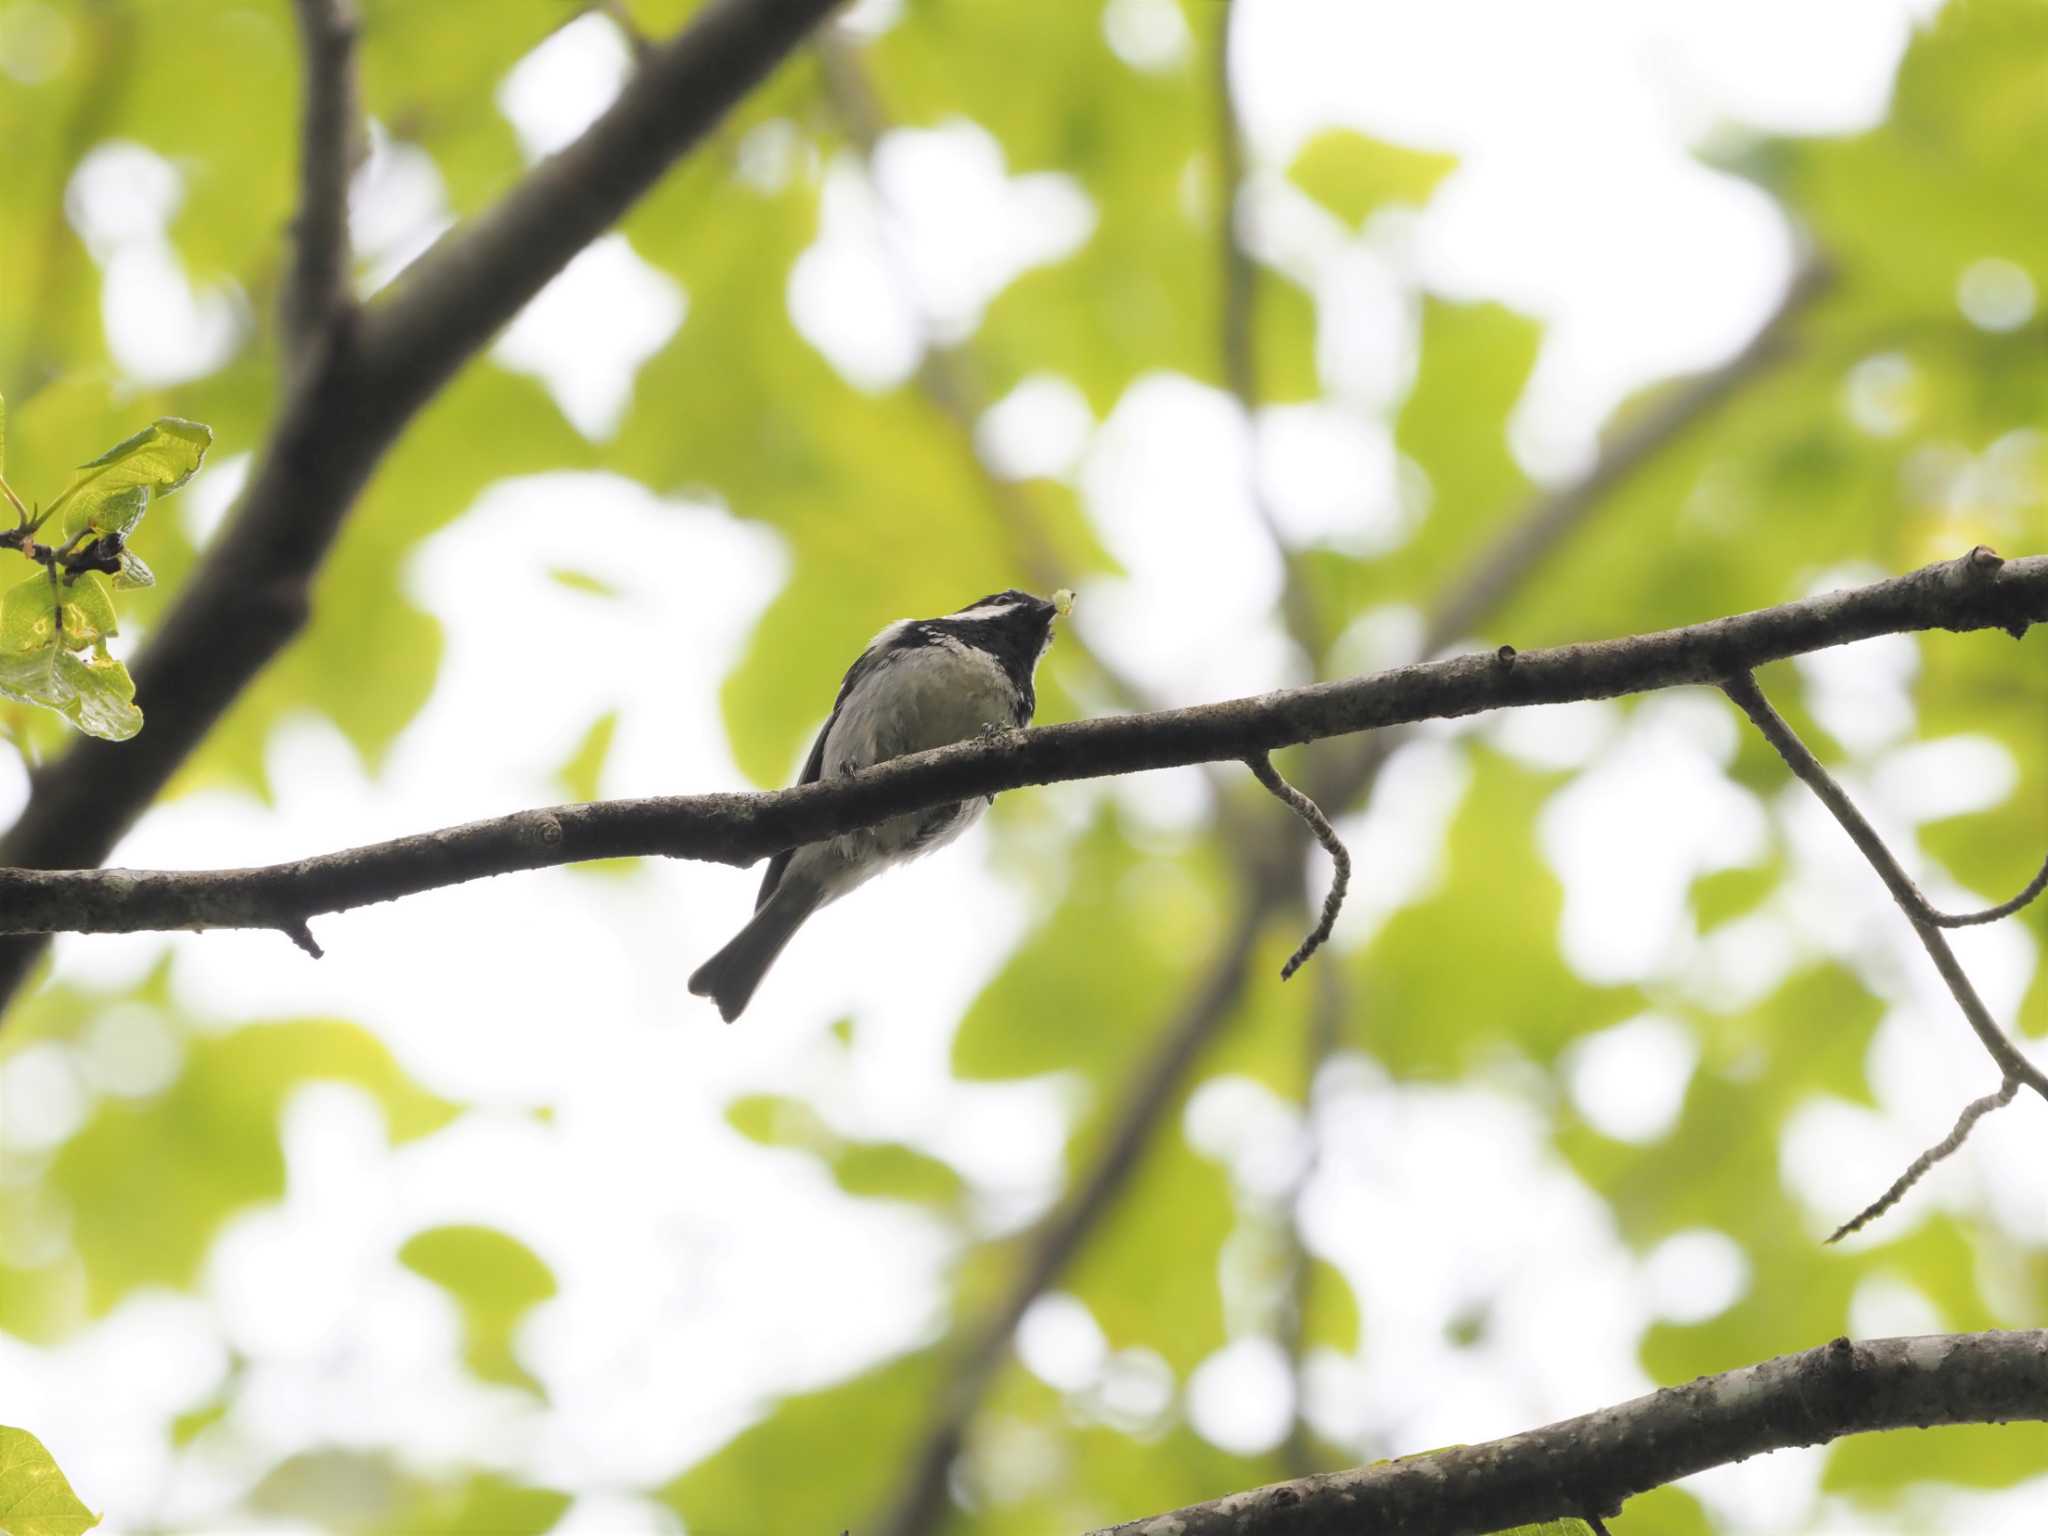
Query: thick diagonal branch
(1589, 1465)
(1959, 595)
(250, 594)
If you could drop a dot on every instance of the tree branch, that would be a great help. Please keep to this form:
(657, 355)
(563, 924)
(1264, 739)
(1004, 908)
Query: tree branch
(1743, 689)
(451, 301)
(1549, 520)
(1588, 1465)
(316, 285)
(1509, 560)
(1638, 440)
(1966, 1122)
(1965, 594)
(921, 1500)
(250, 593)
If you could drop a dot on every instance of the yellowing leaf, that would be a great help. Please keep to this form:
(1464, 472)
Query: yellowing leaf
(35, 1500)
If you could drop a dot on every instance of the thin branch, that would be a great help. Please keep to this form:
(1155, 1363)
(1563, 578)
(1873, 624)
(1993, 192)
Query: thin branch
(1974, 1111)
(251, 591)
(1340, 878)
(1546, 523)
(2034, 887)
(1742, 687)
(316, 284)
(741, 828)
(452, 300)
(1158, 1082)
(1638, 440)
(1591, 1464)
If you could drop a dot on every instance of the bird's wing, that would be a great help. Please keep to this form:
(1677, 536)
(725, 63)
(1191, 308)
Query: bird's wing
(814, 765)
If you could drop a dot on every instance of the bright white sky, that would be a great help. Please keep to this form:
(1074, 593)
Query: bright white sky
(688, 1257)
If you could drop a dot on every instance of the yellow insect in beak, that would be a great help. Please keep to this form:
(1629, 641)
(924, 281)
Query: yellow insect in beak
(1063, 601)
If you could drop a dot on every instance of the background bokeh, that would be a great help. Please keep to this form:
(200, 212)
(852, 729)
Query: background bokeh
(482, 1224)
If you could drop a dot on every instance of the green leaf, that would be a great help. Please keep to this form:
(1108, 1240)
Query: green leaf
(1354, 176)
(134, 573)
(35, 1500)
(94, 692)
(495, 1279)
(117, 513)
(88, 609)
(28, 616)
(889, 1170)
(160, 458)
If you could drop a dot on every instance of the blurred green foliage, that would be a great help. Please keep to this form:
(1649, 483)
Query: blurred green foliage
(1895, 431)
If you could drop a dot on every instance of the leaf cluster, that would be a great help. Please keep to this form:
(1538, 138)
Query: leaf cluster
(54, 625)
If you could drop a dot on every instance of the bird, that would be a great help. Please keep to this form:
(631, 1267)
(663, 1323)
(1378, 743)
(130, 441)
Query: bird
(921, 683)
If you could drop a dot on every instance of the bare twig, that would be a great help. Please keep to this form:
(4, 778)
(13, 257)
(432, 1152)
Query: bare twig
(1974, 1111)
(316, 284)
(1742, 687)
(1340, 877)
(1589, 1465)
(2034, 887)
(1154, 1089)
(251, 591)
(741, 828)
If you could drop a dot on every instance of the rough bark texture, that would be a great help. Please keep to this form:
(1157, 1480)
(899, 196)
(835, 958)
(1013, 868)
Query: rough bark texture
(1589, 1465)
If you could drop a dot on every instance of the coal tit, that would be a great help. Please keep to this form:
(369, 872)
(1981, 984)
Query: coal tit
(921, 683)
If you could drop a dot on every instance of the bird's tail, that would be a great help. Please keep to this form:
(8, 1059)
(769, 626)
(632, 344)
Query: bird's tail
(729, 977)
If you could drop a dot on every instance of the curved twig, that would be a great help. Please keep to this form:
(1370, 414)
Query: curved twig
(1974, 1111)
(1742, 688)
(2034, 887)
(1340, 877)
